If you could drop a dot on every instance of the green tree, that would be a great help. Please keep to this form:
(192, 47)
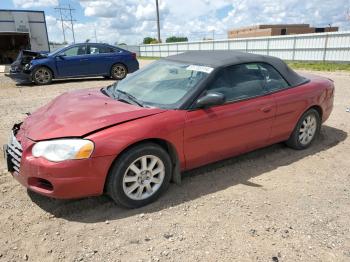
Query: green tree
(148, 40)
(155, 41)
(174, 39)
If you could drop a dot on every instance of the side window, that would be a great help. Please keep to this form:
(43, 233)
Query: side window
(274, 80)
(99, 49)
(244, 81)
(76, 50)
(105, 49)
(239, 82)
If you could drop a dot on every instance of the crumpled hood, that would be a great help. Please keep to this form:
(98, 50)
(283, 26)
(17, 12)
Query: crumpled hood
(78, 113)
(24, 57)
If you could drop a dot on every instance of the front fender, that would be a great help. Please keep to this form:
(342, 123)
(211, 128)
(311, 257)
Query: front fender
(49, 64)
(167, 126)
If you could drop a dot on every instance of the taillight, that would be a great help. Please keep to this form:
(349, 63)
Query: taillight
(133, 55)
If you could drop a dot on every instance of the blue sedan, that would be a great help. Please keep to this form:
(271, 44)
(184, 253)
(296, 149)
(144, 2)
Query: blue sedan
(78, 60)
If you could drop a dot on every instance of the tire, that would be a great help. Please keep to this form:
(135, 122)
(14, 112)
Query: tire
(129, 182)
(42, 76)
(306, 130)
(119, 71)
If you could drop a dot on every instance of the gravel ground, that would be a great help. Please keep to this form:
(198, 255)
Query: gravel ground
(274, 204)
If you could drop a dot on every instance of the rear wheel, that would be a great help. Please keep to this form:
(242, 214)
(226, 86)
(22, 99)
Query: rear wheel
(139, 176)
(118, 71)
(306, 130)
(42, 76)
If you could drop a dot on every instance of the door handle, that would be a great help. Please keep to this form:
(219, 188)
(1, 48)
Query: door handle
(83, 59)
(266, 109)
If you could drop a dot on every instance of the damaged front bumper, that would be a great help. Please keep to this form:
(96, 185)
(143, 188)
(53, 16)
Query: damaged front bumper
(20, 76)
(20, 70)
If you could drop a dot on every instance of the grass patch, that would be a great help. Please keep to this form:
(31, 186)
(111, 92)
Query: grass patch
(148, 57)
(314, 66)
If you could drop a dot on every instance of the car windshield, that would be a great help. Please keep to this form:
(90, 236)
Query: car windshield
(163, 83)
(57, 51)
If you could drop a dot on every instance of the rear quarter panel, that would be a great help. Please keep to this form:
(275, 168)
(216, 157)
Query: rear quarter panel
(293, 102)
(125, 57)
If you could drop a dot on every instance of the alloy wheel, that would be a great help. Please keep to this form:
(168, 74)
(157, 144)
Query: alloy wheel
(119, 71)
(308, 129)
(143, 177)
(42, 76)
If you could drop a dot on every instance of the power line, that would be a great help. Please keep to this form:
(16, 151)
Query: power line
(66, 16)
(71, 21)
(64, 34)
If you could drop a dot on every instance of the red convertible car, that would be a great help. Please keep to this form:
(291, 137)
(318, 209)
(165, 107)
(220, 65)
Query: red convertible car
(132, 138)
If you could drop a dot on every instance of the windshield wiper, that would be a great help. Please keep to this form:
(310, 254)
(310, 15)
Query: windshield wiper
(112, 91)
(109, 91)
(129, 96)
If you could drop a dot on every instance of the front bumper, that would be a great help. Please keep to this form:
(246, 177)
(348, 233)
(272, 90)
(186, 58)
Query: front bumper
(20, 76)
(66, 180)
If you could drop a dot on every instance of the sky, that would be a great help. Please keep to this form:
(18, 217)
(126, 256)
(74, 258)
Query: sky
(129, 21)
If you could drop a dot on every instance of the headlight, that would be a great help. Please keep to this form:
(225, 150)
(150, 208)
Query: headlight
(27, 66)
(63, 149)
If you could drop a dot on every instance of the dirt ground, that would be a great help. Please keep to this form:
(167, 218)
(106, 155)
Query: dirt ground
(274, 204)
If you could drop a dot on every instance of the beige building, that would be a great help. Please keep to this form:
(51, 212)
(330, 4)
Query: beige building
(281, 29)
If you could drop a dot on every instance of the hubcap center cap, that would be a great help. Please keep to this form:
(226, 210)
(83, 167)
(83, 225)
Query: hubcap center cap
(144, 177)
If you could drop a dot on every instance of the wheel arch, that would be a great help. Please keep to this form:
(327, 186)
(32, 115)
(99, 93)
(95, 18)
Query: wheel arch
(121, 63)
(46, 66)
(166, 145)
(317, 108)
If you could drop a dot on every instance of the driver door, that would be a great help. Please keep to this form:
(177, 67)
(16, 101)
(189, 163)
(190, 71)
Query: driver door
(73, 62)
(241, 124)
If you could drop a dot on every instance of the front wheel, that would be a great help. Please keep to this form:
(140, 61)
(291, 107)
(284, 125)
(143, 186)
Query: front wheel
(42, 76)
(306, 130)
(139, 176)
(119, 71)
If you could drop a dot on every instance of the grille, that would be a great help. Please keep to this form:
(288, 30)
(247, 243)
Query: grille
(14, 151)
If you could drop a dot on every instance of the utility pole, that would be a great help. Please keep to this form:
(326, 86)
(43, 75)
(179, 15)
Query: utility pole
(66, 16)
(95, 35)
(158, 26)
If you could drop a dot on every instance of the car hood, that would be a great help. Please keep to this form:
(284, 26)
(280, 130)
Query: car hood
(26, 56)
(78, 113)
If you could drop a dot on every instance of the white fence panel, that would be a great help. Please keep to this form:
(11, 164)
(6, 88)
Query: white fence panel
(193, 46)
(239, 45)
(224, 45)
(310, 42)
(281, 43)
(206, 46)
(258, 44)
(182, 47)
(333, 46)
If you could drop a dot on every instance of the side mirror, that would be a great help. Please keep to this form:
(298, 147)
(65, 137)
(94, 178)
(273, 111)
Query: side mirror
(210, 99)
(61, 56)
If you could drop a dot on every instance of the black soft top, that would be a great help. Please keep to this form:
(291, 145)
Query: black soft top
(221, 58)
